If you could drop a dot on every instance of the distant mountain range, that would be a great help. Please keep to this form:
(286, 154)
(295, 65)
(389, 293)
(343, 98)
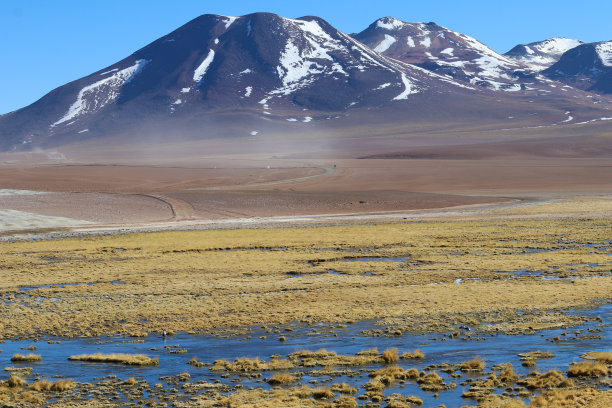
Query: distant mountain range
(587, 66)
(542, 54)
(231, 74)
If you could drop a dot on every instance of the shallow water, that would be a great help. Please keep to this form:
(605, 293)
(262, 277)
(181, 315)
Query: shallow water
(377, 259)
(63, 285)
(343, 340)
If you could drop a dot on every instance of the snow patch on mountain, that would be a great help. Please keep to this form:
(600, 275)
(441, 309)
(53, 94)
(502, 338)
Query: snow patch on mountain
(385, 44)
(229, 21)
(542, 54)
(383, 86)
(247, 91)
(200, 71)
(604, 51)
(484, 50)
(298, 66)
(408, 90)
(108, 72)
(99, 94)
(556, 45)
(389, 23)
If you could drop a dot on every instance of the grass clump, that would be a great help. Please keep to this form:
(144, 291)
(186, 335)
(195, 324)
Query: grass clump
(603, 356)
(507, 375)
(369, 352)
(344, 388)
(126, 359)
(433, 382)
(475, 364)
(25, 358)
(15, 381)
(374, 385)
(390, 356)
(195, 363)
(499, 401)
(530, 359)
(345, 402)
(245, 364)
(282, 379)
(31, 398)
(59, 386)
(587, 369)
(415, 355)
(389, 375)
(399, 401)
(551, 379)
(306, 358)
(323, 393)
(130, 381)
(571, 398)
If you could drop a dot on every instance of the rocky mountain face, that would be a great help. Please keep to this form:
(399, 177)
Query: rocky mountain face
(587, 66)
(446, 52)
(216, 76)
(259, 62)
(540, 55)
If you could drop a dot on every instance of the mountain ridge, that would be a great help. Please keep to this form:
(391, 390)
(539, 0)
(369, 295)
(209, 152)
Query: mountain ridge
(542, 54)
(227, 72)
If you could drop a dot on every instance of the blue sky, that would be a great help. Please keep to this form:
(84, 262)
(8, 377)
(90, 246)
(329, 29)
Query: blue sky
(47, 43)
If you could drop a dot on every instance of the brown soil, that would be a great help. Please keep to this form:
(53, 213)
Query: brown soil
(342, 174)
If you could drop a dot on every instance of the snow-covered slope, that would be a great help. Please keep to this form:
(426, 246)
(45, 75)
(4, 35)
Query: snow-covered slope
(447, 52)
(99, 94)
(542, 54)
(587, 66)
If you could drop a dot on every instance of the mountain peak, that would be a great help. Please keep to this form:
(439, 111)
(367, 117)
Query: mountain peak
(587, 66)
(388, 23)
(542, 54)
(443, 51)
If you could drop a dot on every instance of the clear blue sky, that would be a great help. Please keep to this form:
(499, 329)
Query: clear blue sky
(47, 43)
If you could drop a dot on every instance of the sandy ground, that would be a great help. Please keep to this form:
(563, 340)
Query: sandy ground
(351, 176)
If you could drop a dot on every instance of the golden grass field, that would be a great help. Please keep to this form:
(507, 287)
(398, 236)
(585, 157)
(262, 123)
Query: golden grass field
(206, 280)
(445, 273)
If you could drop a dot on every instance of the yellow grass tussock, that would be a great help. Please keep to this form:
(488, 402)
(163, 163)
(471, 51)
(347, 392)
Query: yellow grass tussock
(245, 364)
(475, 364)
(15, 381)
(126, 359)
(345, 402)
(344, 388)
(573, 398)
(548, 380)
(59, 385)
(26, 358)
(587, 369)
(603, 356)
(390, 356)
(282, 379)
(415, 355)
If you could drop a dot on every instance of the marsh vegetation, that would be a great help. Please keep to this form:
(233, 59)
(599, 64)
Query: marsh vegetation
(516, 292)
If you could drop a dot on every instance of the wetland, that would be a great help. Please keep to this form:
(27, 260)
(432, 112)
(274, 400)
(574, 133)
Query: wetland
(398, 314)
